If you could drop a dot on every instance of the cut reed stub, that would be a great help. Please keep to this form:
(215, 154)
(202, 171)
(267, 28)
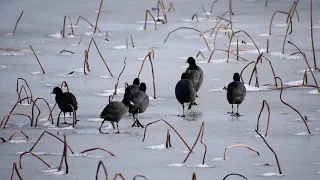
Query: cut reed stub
(15, 27)
(149, 56)
(234, 174)
(15, 170)
(33, 154)
(127, 42)
(146, 18)
(64, 26)
(195, 16)
(171, 7)
(104, 170)
(264, 102)
(200, 53)
(238, 145)
(194, 176)
(168, 141)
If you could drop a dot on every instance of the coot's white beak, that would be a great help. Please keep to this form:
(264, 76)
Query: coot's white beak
(51, 92)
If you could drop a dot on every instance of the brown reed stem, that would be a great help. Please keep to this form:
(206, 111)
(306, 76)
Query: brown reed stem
(15, 169)
(145, 20)
(145, 130)
(312, 41)
(3, 140)
(163, 10)
(140, 176)
(272, 69)
(212, 29)
(230, 7)
(127, 44)
(37, 59)
(19, 94)
(285, 37)
(64, 156)
(205, 12)
(64, 26)
(268, 45)
(195, 16)
(305, 78)
(237, 49)
(212, 5)
(200, 53)
(239, 145)
(194, 176)
(264, 102)
(118, 175)
(29, 152)
(217, 49)
(302, 118)
(236, 174)
(86, 62)
(104, 169)
(266, 4)
(171, 7)
(116, 85)
(168, 141)
(15, 27)
(15, 133)
(96, 26)
(80, 17)
(9, 115)
(152, 71)
(34, 104)
(67, 51)
(275, 155)
(255, 70)
(221, 27)
(270, 25)
(204, 145)
(97, 148)
(244, 69)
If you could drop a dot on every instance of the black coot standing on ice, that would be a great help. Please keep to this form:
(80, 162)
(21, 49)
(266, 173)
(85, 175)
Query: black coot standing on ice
(195, 74)
(114, 112)
(236, 92)
(140, 102)
(132, 88)
(64, 100)
(185, 92)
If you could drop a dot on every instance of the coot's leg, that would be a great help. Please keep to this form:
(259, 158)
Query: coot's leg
(118, 132)
(232, 110)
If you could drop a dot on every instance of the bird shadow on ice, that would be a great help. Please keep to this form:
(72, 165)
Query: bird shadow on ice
(193, 115)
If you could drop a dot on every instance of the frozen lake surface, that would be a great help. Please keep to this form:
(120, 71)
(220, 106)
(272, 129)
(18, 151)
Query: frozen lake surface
(40, 26)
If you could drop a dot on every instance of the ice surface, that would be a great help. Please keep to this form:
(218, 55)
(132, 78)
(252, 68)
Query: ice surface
(313, 92)
(157, 147)
(272, 174)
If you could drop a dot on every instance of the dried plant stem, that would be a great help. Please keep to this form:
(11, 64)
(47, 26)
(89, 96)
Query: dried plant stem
(270, 25)
(200, 53)
(127, 42)
(195, 16)
(96, 26)
(119, 175)
(217, 49)
(86, 62)
(305, 77)
(168, 141)
(34, 145)
(221, 27)
(239, 145)
(272, 69)
(15, 133)
(15, 169)
(255, 70)
(116, 85)
(235, 174)
(15, 27)
(140, 176)
(230, 7)
(171, 7)
(204, 11)
(104, 169)
(64, 26)
(244, 69)
(194, 176)
(9, 115)
(152, 71)
(275, 155)
(66, 51)
(50, 113)
(266, 4)
(145, 131)
(19, 94)
(212, 5)
(80, 17)
(93, 149)
(64, 156)
(264, 102)
(312, 41)
(163, 10)
(145, 20)
(289, 24)
(302, 118)
(268, 45)
(3, 140)
(219, 19)
(20, 161)
(37, 59)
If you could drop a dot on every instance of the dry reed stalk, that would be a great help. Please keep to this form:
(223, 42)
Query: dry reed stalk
(92, 40)
(127, 43)
(200, 53)
(244, 69)
(9, 115)
(302, 118)
(200, 134)
(245, 34)
(104, 169)
(96, 26)
(79, 42)
(140, 176)
(217, 49)
(11, 49)
(212, 5)
(205, 12)
(64, 156)
(3, 140)
(239, 145)
(168, 141)
(237, 49)
(272, 69)
(74, 117)
(15, 169)
(285, 37)
(190, 29)
(230, 7)
(305, 78)
(275, 155)
(145, 20)
(270, 25)
(312, 41)
(37, 59)
(171, 7)
(64, 26)
(50, 135)
(293, 10)
(66, 51)
(116, 85)
(50, 113)
(15, 133)
(194, 176)
(97, 148)
(15, 27)
(80, 17)
(145, 130)
(86, 62)
(264, 102)
(119, 175)
(266, 4)
(221, 27)
(19, 94)
(255, 70)
(305, 58)
(195, 16)
(293, 86)
(236, 174)
(29, 152)
(163, 10)
(268, 45)
(218, 17)
(152, 71)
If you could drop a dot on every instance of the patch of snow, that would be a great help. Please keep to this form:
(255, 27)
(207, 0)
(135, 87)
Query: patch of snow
(254, 89)
(314, 27)
(48, 124)
(280, 25)
(14, 53)
(105, 77)
(261, 164)
(152, 99)
(313, 92)
(302, 134)
(272, 174)
(2, 66)
(217, 159)
(53, 171)
(63, 128)
(293, 83)
(217, 90)
(18, 141)
(253, 51)
(35, 73)
(148, 22)
(200, 166)
(43, 153)
(110, 92)
(175, 165)
(141, 28)
(157, 147)
(85, 155)
(92, 34)
(264, 35)
(95, 119)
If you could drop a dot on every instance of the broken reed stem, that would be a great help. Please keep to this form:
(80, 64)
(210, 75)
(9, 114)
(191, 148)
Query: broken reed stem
(247, 36)
(96, 26)
(237, 49)
(118, 175)
(50, 135)
(212, 5)
(79, 42)
(194, 176)
(200, 53)
(244, 69)
(255, 69)
(145, 20)
(205, 12)
(3, 140)
(145, 131)
(29, 152)
(221, 27)
(15, 133)
(285, 37)
(266, 4)
(302, 118)
(239, 145)
(127, 43)
(64, 26)
(201, 34)
(264, 102)
(19, 94)
(275, 155)
(271, 21)
(86, 62)
(226, 52)
(312, 41)
(92, 40)
(212, 29)
(305, 58)
(230, 7)
(235, 174)
(140, 176)
(272, 69)
(15, 169)
(66, 51)
(97, 148)
(104, 169)
(34, 104)
(171, 7)
(268, 45)
(152, 71)
(116, 85)
(205, 146)
(9, 115)
(305, 77)
(37, 59)
(293, 10)
(15, 27)
(195, 143)
(168, 141)
(64, 156)
(74, 121)
(80, 17)
(163, 10)
(195, 16)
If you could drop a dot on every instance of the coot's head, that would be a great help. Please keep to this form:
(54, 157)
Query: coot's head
(191, 61)
(56, 90)
(184, 76)
(136, 81)
(236, 77)
(126, 101)
(143, 87)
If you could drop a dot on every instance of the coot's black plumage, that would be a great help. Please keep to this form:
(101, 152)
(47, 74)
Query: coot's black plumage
(64, 100)
(114, 112)
(140, 102)
(236, 92)
(185, 92)
(195, 73)
(131, 89)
